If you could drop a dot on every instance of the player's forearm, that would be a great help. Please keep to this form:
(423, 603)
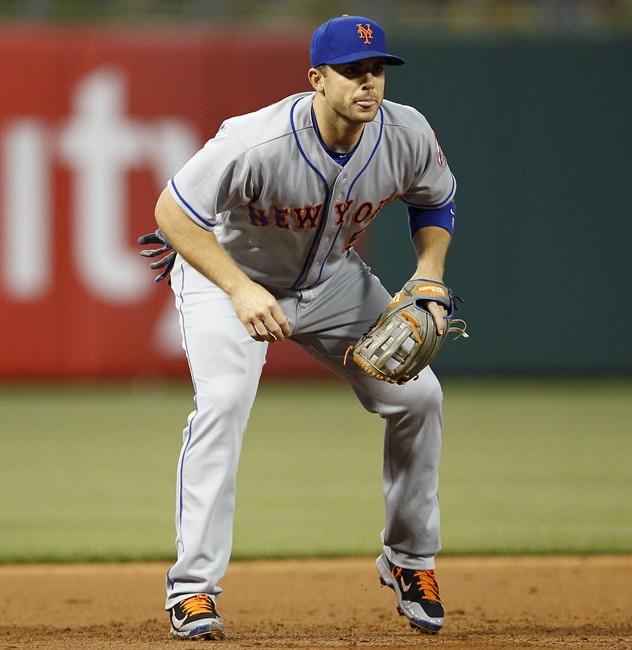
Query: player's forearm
(198, 247)
(432, 245)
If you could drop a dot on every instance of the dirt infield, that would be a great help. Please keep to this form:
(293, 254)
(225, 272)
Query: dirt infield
(491, 603)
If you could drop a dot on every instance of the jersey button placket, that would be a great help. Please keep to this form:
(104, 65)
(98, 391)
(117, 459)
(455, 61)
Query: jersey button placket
(338, 191)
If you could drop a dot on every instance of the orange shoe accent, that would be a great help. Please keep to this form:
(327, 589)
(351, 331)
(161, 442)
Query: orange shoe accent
(427, 582)
(200, 604)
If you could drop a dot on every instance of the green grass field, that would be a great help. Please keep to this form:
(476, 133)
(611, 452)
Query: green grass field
(527, 467)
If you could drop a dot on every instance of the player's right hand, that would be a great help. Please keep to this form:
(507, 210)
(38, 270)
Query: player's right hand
(159, 237)
(261, 314)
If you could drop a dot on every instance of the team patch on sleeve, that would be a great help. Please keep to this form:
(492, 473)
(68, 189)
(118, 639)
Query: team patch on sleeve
(441, 159)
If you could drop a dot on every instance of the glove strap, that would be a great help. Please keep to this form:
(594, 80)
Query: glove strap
(432, 290)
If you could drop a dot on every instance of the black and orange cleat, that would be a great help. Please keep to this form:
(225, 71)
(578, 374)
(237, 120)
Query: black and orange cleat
(417, 594)
(196, 618)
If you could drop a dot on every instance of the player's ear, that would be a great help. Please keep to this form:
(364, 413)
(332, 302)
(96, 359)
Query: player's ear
(315, 77)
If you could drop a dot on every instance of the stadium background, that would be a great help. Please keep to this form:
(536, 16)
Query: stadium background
(101, 103)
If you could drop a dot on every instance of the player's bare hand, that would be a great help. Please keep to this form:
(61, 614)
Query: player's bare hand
(260, 313)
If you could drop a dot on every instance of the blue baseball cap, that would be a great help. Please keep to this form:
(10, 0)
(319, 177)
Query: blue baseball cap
(347, 39)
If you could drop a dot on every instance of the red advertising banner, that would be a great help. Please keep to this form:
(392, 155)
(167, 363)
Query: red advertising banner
(93, 123)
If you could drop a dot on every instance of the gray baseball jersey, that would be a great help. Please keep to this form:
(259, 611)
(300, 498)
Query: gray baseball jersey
(294, 230)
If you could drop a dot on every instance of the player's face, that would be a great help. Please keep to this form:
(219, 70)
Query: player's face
(354, 91)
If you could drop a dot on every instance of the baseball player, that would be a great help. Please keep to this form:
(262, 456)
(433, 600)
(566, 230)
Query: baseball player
(264, 219)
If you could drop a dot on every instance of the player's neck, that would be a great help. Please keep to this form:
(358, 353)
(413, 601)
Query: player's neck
(338, 133)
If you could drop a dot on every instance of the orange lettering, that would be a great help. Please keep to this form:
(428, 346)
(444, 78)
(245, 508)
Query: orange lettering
(279, 217)
(257, 217)
(341, 210)
(353, 239)
(307, 216)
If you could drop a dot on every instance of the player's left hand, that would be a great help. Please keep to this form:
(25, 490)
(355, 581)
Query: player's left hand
(438, 312)
(159, 237)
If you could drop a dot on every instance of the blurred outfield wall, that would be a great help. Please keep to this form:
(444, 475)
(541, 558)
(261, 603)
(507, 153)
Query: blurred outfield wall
(93, 122)
(539, 135)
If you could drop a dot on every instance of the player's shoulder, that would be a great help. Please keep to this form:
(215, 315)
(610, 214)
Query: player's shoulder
(404, 117)
(270, 122)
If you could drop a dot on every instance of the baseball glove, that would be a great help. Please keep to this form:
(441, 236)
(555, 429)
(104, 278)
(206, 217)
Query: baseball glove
(404, 339)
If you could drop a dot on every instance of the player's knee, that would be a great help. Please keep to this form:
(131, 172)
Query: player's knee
(415, 405)
(424, 394)
(223, 406)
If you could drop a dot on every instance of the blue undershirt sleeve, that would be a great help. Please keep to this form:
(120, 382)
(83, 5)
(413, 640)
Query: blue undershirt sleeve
(422, 217)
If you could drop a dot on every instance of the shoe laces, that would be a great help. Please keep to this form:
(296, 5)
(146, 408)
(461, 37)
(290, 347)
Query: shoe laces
(428, 584)
(199, 604)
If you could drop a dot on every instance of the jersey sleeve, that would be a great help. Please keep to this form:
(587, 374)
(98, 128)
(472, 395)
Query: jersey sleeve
(217, 178)
(433, 185)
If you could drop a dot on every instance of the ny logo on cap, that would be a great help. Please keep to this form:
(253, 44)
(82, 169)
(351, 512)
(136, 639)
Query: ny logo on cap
(365, 32)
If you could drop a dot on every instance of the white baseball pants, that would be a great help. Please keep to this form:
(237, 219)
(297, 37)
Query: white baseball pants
(226, 366)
